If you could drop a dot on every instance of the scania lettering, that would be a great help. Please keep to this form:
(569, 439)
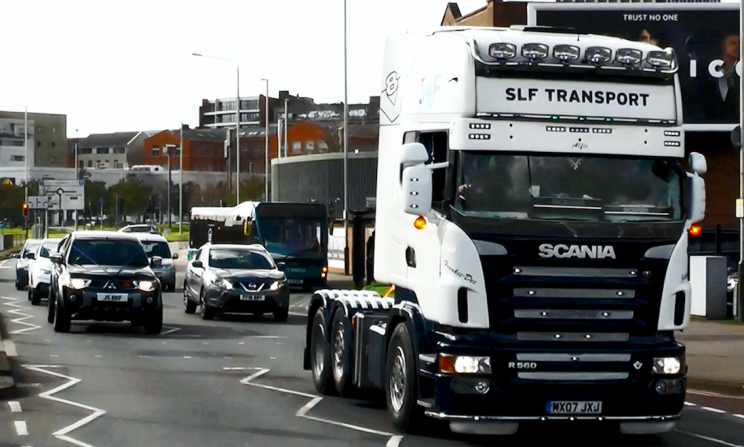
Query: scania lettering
(537, 244)
(575, 251)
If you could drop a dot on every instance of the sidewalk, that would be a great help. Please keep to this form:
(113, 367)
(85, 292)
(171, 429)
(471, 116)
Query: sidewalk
(715, 355)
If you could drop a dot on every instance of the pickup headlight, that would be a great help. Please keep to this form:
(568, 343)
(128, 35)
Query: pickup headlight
(145, 286)
(77, 283)
(668, 365)
(464, 364)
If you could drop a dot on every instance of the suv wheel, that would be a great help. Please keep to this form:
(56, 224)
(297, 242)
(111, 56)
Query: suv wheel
(206, 312)
(62, 319)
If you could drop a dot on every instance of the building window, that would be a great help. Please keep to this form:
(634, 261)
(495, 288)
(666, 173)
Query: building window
(256, 151)
(38, 144)
(297, 146)
(17, 158)
(17, 143)
(53, 159)
(54, 130)
(119, 150)
(323, 146)
(310, 145)
(54, 144)
(102, 151)
(155, 151)
(90, 163)
(118, 165)
(85, 151)
(81, 164)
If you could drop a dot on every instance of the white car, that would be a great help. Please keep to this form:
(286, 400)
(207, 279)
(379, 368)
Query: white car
(40, 270)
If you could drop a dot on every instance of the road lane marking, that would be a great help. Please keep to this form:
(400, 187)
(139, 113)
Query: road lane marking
(54, 356)
(10, 348)
(302, 412)
(24, 316)
(712, 394)
(21, 428)
(267, 336)
(297, 314)
(62, 434)
(241, 343)
(186, 357)
(98, 356)
(394, 441)
(272, 358)
(690, 404)
(717, 441)
(714, 410)
(172, 330)
(740, 416)
(15, 407)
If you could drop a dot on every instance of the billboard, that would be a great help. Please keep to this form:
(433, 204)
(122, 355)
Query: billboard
(705, 37)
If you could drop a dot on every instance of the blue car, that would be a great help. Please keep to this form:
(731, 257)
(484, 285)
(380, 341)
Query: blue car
(30, 246)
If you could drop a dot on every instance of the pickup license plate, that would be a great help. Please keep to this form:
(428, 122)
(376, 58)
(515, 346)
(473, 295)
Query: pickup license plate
(574, 407)
(295, 281)
(113, 297)
(252, 298)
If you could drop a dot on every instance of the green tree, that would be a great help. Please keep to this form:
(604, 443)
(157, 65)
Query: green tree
(94, 192)
(252, 190)
(134, 193)
(11, 199)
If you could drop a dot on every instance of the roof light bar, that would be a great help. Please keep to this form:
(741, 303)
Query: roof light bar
(660, 59)
(672, 143)
(671, 133)
(555, 129)
(566, 53)
(480, 126)
(629, 56)
(598, 55)
(535, 51)
(502, 51)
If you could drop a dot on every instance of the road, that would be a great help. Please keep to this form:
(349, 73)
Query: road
(232, 382)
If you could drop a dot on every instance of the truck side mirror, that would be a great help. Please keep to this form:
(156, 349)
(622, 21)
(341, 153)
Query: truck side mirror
(697, 163)
(696, 202)
(413, 154)
(417, 190)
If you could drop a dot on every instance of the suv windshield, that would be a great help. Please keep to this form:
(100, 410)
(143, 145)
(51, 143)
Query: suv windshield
(108, 252)
(139, 229)
(157, 249)
(236, 258)
(568, 187)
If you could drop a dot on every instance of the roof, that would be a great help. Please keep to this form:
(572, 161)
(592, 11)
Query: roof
(116, 139)
(202, 134)
(149, 237)
(367, 131)
(103, 235)
(257, 247)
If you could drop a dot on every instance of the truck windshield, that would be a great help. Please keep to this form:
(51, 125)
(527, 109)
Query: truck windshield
(292, 237)
(568, 187)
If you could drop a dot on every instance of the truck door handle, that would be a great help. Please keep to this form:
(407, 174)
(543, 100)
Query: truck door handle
(411, 257)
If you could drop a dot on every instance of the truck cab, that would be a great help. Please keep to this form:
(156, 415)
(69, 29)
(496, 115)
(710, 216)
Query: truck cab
(533, 215)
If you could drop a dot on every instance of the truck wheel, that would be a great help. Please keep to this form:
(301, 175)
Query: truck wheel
(320, 355)
(341, 359)
(62, 319)
(401, 382)
(154, 322)
(188, 306)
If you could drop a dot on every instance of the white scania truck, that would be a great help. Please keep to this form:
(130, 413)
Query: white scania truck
(533, 214)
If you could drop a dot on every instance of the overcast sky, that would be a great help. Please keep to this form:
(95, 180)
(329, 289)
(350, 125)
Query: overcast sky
(121, 65)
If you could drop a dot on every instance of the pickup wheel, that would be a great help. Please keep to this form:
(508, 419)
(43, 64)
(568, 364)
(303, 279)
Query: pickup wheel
(320, 355)
(188, 306)
(279, 315)
(401, 382)
(154, 322)
(341, 355)
(62, 319)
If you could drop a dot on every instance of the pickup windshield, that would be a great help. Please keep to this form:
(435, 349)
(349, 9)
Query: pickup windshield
(568, 187)
(108, 252)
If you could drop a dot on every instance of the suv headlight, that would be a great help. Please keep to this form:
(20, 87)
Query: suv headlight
(45, 272)
(145, 286)
(77, 283)
(277, 285)
(225, 284)
(668, 365)
(464, 364)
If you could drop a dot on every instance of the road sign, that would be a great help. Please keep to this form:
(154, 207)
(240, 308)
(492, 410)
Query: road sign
(65, 194)
(38, 202)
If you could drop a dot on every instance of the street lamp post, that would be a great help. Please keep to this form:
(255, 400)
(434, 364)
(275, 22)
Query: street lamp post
(180, 183)
(346, 144)
(77, 173)
(237, 121)
(266, 168)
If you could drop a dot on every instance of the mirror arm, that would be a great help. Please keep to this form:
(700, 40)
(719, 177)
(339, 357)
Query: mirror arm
(435, 166)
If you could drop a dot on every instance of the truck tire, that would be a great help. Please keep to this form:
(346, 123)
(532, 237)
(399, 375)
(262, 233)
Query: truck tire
(320, 355)
(62, 319)
(401, 384)
(341, 354)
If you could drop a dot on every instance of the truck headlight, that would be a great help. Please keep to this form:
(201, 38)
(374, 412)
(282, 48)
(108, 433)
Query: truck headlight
(464, 364)
(146, 286)
(77, 283)
(667, 365)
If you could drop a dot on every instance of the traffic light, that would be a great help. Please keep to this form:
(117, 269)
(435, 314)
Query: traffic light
(25, 209)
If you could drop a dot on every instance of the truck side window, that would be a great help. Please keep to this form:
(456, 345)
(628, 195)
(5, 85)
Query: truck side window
(437, 146)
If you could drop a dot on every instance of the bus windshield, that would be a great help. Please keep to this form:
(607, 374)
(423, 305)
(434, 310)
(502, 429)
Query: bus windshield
(292, 237)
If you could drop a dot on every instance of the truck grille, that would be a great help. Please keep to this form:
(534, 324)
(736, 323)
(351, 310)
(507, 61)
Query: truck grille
(574, 327)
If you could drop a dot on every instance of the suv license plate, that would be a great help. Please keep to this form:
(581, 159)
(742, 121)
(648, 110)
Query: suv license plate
(574, 407)
(113, 297)
(252, 298)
